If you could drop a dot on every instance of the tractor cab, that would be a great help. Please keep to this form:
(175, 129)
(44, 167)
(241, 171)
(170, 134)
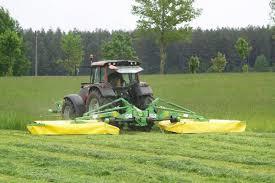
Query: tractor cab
(110, 80)
(118, 73)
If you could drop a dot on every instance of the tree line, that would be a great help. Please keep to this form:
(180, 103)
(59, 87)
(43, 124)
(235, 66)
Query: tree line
(163, 42)
(204, 44)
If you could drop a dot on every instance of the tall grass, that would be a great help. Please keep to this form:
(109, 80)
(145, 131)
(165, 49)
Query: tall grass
(249, 97)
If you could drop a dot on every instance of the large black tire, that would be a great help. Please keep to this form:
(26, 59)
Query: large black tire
(68, 110)
(144, 101)
(97, 100)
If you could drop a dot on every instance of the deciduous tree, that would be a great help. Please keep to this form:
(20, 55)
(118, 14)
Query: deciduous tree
(243, 48)
(72, 48)
(194, 64)
(218, 63)
(119, 47)
(12, 53)
(272, 13)
(167, 19)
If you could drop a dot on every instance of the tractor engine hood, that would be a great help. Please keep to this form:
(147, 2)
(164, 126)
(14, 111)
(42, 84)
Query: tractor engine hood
(127, 69)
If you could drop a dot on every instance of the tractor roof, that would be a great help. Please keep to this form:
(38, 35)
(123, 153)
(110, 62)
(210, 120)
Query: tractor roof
(115, 63)
(128, 69)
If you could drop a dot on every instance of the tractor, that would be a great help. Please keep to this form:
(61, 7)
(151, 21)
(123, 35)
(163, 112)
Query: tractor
(109, 80)
(115, 99)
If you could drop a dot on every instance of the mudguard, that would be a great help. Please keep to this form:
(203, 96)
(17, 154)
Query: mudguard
(78, 103)
(105, 90)
(143, 89)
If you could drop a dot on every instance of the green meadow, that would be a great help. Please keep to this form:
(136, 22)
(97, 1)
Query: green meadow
(139, 156)
(248, 97)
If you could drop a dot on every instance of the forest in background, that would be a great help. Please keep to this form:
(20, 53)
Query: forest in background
(203, 43)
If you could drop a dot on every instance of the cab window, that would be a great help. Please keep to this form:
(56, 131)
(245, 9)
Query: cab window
(98, 74)
(129, 78)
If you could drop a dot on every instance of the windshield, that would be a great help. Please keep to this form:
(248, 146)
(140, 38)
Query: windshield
(122, 80)
(129, 78)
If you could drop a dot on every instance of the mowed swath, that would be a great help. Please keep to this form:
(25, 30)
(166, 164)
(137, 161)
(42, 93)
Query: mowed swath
(137, 157)
(249, 97)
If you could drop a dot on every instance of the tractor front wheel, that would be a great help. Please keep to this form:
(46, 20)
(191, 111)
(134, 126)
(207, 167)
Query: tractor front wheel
(68, 110)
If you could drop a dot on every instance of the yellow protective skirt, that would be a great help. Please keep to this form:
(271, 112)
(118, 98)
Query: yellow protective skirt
(67, 127)
(211, 126)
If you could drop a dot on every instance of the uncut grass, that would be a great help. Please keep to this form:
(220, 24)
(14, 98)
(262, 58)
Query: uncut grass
(24, 99)
(249, 97)
(149, 157)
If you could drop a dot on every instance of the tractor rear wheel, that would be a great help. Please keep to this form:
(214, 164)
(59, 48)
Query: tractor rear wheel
(68, 110)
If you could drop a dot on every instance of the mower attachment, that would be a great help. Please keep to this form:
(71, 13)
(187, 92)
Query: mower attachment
(106, 119)
(69, 127)
(213, 126)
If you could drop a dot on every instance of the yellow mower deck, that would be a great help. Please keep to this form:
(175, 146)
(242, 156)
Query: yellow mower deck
(67, 127)
(91, 127)
(211, 126)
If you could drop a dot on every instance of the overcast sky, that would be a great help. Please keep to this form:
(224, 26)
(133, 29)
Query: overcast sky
(116, 14)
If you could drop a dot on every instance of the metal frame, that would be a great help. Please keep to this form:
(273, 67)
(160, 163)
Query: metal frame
(126, 113)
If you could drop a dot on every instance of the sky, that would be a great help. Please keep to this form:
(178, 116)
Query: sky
(88, 15)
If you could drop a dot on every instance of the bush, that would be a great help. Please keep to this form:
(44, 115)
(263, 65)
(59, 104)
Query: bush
(218, 63)
(261, 64)
(245, 68)
(194, 64)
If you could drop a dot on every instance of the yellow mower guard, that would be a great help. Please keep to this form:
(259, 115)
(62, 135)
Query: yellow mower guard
(66, 127)
(211, 126)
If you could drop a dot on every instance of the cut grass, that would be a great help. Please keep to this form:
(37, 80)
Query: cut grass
(138, 157)
(249, 97)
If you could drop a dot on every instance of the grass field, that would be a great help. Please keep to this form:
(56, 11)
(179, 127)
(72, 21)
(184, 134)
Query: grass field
(137, 157)
(248, 97)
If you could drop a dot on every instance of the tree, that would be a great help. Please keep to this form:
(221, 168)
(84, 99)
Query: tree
(13, 62)
(194, 63)
(243, 48)
(7, 22)
(205, 43)
(167, 19)
(218, 63)
(272, 13)
(12, 53)
(119, 47)
(72, 48)
(261, 64)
